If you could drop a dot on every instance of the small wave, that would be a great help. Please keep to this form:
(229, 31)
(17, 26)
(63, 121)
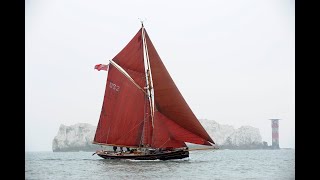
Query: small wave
(62, 159)
(53, 159)
(133, 160)
(158, 160)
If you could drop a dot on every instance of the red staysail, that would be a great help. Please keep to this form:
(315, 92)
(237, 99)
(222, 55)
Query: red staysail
(170, 103)
(169, 134)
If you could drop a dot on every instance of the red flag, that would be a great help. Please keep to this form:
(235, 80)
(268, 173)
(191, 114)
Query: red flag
(101, 67)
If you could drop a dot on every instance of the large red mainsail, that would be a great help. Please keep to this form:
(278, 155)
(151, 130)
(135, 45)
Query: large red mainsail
(170, 103)
(125, 118)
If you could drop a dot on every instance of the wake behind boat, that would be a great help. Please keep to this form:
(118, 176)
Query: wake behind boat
(143, 109)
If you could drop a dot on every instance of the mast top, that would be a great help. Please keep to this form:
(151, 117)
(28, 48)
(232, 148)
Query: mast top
(142, 21)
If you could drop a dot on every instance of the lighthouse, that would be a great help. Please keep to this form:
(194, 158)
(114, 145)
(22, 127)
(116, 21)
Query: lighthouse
(275, 133)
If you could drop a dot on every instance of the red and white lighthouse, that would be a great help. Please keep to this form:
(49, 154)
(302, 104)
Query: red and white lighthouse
(275, 133)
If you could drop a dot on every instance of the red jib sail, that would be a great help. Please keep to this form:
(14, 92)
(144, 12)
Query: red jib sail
(125, 118)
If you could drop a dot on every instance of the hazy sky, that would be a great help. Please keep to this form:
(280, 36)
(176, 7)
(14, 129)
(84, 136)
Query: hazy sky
(232, 60)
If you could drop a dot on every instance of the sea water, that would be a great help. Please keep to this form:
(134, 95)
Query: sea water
(205, 164)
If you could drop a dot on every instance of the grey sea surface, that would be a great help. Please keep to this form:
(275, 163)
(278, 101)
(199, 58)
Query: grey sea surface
(205, 164)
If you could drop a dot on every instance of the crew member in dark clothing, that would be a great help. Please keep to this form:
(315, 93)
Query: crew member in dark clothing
(114, 148)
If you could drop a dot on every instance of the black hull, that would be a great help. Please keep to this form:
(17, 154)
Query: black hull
(180, 154)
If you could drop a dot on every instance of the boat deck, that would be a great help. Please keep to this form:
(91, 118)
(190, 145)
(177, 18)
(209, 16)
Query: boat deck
(162, 155)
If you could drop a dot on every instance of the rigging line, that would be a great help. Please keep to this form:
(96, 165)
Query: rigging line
(120, 69)
(164, 143)
(142, 77)
(130, 131)
(103, 135)
(125, 134)
(105, 144)
(144, 117)
(139, 76)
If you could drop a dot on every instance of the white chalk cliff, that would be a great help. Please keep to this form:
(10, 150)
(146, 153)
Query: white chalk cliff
(79, 137)
(245, 137)
(76, 137)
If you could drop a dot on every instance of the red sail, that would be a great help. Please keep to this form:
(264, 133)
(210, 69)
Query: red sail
(122, 114)
(125, 118)
(130, 58)
(170, 103)
(169, 134)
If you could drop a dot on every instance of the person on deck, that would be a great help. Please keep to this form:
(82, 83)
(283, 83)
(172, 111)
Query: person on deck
(114, 148)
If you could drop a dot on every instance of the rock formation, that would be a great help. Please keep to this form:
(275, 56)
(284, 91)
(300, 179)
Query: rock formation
(79, 137)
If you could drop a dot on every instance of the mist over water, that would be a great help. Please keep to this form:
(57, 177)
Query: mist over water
(218, 164)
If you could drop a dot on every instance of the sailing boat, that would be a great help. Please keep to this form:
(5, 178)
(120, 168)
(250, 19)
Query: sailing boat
(143, 109)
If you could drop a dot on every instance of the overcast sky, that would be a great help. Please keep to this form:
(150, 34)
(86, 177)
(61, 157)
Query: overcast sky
(232, 60)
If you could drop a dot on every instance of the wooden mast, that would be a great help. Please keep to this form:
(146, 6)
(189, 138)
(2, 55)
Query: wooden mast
(149, 87)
